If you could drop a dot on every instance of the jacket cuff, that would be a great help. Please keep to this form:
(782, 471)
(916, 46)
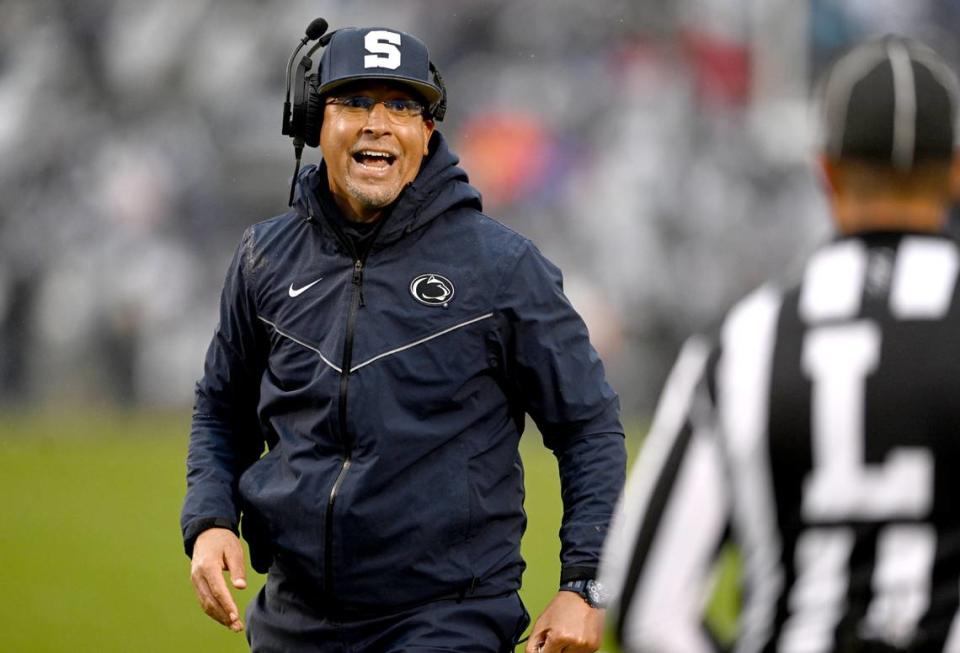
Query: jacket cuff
(580, 572)
(192, 532)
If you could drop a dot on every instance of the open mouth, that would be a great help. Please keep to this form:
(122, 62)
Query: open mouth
(374, 159)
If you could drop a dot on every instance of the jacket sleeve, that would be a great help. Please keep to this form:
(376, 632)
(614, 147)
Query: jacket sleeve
(670, 523)
(225, 437)
(559, 379)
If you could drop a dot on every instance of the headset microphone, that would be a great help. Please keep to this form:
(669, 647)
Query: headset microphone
(315, 30)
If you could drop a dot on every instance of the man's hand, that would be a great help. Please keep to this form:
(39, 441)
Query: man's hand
(216, 550)
(569, 625)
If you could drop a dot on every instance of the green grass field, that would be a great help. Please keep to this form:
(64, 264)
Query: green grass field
(90, 551)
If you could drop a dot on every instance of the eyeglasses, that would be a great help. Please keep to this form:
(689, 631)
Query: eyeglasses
(361, 105)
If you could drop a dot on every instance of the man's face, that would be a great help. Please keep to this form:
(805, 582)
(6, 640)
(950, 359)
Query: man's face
(371, 155)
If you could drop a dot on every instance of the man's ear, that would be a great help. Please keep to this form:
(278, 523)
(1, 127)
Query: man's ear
(428, 126)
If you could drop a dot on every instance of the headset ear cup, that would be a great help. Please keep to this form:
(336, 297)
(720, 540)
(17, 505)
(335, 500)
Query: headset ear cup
(439, 109)
(313, 117)
(301, 94)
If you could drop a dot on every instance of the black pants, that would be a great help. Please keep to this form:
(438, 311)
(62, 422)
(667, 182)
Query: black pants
(279, 622)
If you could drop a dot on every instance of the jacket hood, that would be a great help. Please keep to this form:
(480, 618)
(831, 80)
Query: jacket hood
(441, 185)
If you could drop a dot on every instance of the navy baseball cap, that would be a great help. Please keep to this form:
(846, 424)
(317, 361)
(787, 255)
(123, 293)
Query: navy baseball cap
(890, 100)
(379, 53)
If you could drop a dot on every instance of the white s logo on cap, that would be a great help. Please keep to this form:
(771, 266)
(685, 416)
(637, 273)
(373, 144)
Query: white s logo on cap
(383, 45)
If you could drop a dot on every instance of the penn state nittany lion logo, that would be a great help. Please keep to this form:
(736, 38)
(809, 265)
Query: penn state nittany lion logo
(432, 289)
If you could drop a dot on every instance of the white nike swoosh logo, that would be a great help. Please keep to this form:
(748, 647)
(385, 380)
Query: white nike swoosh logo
(296, 292)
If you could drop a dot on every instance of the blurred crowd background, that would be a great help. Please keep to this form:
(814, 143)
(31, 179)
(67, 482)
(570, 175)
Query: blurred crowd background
(659, 151)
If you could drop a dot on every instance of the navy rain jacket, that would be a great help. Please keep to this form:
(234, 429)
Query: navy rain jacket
(393, 475)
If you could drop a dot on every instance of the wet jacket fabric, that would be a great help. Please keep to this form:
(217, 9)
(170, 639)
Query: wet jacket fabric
(389, 394)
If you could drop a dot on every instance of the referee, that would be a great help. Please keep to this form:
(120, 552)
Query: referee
(821, 433)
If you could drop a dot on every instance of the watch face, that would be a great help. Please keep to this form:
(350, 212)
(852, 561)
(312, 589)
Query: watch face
(597, 594)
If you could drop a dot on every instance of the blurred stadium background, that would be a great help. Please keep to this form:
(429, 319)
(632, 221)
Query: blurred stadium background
(657, 150)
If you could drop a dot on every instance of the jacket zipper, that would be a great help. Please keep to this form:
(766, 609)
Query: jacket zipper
(356, 300)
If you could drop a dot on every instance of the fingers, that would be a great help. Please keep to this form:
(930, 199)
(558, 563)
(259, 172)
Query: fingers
(557, 640)
(211, 604)
(226, 604)
(536, 640)
(233, 557)
(550, 645)
(561, 644)
(217, 550)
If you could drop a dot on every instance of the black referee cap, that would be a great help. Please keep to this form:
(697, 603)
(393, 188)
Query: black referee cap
(892, 99)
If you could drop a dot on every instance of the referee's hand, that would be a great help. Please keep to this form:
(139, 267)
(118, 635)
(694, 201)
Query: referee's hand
(215, 551)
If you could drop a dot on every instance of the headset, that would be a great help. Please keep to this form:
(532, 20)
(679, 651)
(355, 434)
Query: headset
(302, 119)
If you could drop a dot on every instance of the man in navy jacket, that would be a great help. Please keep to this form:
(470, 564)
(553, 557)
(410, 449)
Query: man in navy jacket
(383, 342)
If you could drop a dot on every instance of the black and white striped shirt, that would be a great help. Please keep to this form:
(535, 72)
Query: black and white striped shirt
(821, 434)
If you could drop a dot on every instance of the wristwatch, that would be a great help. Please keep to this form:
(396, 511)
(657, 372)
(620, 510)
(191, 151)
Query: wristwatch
(591, 590)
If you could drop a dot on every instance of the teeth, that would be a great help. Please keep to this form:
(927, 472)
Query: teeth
(382, 155)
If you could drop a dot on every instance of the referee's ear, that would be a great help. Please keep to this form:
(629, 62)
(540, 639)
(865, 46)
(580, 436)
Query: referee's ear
(833, 187)
(829, 177)
(955, 178)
